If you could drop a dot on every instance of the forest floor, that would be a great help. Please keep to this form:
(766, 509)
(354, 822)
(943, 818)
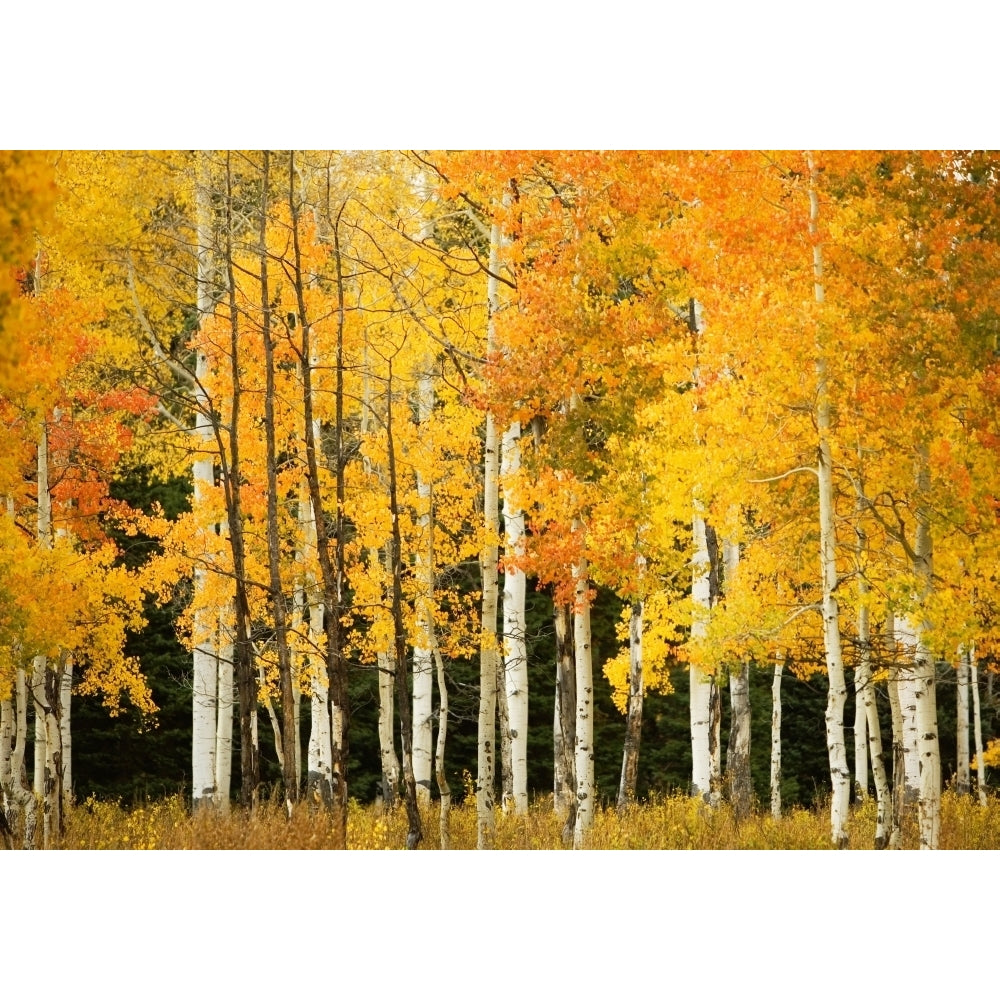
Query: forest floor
(674, 823)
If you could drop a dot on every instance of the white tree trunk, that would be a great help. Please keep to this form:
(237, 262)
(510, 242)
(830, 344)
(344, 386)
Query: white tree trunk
(977, 728)
(16, 794)
(65, 731)
(46, 678)
(224, 727)
(385, 659)
(386, 741)
(860, 745)
(701, 683)
(489, 653)
(840, 777)
(515, 654)
(444, 789)
(738, 778)
(423, 665)
(319, 750)
(866, 693)
(205, 666)
(779, 663)
(926, 682)
(963, 783)
(906, 686)
(584, 756)
(898, 748)
(37, 689)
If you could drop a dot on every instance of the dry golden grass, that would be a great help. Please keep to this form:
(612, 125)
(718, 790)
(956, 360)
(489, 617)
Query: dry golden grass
(674, 823)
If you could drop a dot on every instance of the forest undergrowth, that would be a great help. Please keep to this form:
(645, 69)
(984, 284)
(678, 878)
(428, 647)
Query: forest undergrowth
(669, 823)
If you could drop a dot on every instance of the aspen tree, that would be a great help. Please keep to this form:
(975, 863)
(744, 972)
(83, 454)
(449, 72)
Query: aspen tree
(584, 756)
(205, 675)
(963, 782)
(977, 728)
(836, 747)
(779, 664)
(485, 791)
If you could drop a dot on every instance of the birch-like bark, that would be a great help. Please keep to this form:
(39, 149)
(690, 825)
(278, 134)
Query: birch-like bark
(489, 651)
(319, 752)
(963, 779)
(860, 743)
(17, 794)
(224, 731)
(898, 749)
(423, 666)
(7, 809)
(840, 777)
(205, 672)
(977, 728)
(503, 726)
(65, 730)
(929, 753)
(738, 779)
(515, 660)
(444, 789)
(906, 761)
(779, 664)
(584, 756)
(47, 680)
(385, 659)
(701, 683)
(867, 710)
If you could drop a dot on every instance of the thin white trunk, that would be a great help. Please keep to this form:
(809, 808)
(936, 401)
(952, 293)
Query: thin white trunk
(65, 731)
(906, 686)
(977, 727)
(898, 754)
(37, 691)
(224, 727)
(860, 745)
(963, 782)
(319, 751)
(926, 679)
(384, 659)
(840, 777)
(423, 665)
(868, 711)
(47, 678)
(515, 654)
(386, 725)
(584, 756)
(444, 789)
(489, 653)
(701, 683)
(7, 799)
(205, 666)
(16, 794)
(738, 778)
(779, 664)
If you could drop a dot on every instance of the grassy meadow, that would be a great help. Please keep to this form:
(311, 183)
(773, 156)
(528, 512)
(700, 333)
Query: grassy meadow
(674, 823)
